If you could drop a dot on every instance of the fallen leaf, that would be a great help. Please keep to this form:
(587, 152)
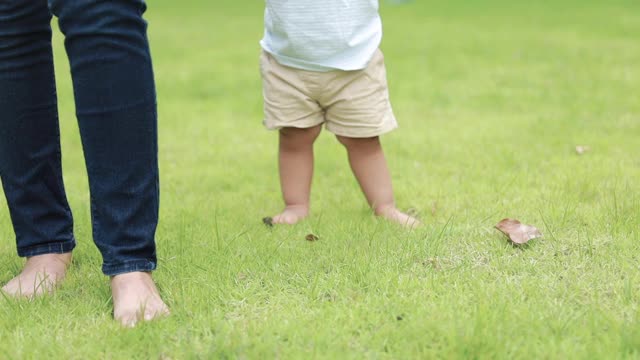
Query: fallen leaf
(434, 208)
(311, 237)
(581, 149)
(241, 276)
(518, 232)
(267, 221)
(432, 262)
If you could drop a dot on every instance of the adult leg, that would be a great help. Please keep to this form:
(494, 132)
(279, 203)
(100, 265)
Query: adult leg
(370, 168)
(296, 171)
(115, 97)
(30, 164)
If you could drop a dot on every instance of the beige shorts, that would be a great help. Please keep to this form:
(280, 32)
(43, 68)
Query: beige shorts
(350, 103)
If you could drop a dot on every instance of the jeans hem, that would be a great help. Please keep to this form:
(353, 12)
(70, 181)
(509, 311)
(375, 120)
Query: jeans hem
(128, 266)
(52, 248)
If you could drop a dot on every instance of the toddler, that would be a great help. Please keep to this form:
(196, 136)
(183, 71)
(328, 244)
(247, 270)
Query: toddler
(321, 64)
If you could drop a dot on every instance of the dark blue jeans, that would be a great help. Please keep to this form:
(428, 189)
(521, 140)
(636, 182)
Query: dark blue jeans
(115, 100)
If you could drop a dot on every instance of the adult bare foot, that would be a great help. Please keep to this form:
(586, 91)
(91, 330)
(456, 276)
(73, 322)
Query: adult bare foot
(393, 214)
(40, 275)
(136, 298)
(291, 215)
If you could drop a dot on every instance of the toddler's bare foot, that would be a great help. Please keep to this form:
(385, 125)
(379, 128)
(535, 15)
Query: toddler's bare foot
(393, 214)
(291, 215)
(136, 298)
(40, 275)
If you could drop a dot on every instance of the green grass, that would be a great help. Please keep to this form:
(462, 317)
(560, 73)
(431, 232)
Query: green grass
(492, 97)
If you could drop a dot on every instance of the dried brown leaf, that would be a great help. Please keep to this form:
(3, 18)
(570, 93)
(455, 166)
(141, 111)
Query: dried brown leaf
(434, 208)
(432, 262)
(241, 276)
(518, 232)
(268, 221)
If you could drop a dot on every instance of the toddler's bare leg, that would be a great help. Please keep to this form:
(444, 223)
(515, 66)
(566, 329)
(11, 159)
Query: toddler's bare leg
(296, 171)
(370, 168)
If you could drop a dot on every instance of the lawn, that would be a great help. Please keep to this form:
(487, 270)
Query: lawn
(492, 98)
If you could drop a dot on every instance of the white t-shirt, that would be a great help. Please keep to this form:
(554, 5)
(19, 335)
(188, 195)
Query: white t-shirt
(322, 35)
